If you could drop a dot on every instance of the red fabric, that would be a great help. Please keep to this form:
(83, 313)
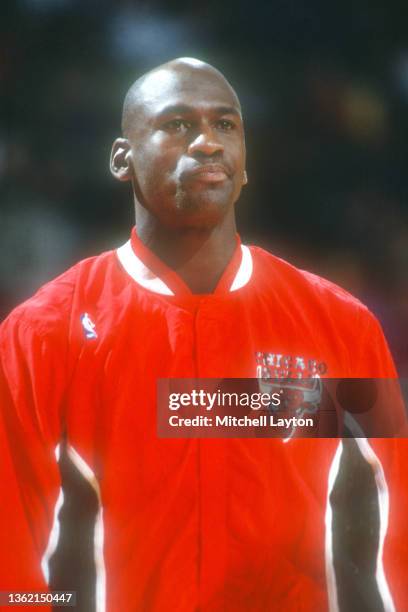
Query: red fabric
(234, 525)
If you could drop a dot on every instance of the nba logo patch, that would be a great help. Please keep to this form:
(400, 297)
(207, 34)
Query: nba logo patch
(88, 325)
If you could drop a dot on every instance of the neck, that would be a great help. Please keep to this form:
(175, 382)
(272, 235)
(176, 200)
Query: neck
(199, 256)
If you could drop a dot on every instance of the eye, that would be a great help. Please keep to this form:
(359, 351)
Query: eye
(177, 125)
(225, 124)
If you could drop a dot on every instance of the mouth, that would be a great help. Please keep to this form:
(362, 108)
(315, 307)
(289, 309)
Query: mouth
(207, 173)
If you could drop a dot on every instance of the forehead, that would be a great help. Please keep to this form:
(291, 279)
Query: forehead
(198, 88)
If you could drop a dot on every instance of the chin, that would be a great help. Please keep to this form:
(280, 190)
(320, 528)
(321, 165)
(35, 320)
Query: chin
(215, 198)
(203, 210)
(194, 208)
(197, 215)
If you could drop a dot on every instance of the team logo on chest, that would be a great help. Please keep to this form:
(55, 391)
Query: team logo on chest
(280, 365)
(297, 380)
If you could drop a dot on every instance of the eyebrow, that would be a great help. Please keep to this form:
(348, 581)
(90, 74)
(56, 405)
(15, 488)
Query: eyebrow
(181, 109)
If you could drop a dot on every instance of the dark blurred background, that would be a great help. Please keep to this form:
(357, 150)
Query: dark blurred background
(324, 88)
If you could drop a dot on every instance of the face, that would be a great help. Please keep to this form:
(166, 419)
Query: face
(187, 148)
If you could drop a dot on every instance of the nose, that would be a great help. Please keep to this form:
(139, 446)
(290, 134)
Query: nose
(205, 143)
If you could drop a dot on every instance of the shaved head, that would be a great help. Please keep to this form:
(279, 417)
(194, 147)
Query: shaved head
(154, 83)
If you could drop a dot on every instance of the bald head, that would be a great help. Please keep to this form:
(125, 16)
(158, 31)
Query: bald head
(183, 72)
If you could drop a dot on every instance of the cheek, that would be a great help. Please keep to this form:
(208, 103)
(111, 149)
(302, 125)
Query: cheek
(146, 164)
(241, 154)
(234, 149)
(159, 151)
(155, 171)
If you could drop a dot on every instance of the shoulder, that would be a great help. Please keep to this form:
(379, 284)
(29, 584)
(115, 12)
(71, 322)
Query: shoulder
(305, 287)
(49, 309)
(313, 306)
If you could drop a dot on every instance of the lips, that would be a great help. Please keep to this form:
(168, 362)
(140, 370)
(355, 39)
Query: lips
(207, 173)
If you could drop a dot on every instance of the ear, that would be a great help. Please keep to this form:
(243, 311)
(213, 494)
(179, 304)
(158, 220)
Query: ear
(121, 160)
(245, 178)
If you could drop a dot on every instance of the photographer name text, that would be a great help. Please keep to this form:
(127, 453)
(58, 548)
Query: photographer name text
(265, 420)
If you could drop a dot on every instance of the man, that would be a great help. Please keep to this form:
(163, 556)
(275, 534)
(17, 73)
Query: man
(186, 524)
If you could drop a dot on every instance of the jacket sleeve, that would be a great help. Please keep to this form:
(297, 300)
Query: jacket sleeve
(32, 382)
(388, 458)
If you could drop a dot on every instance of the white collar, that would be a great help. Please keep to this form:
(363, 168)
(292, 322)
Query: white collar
(147, 279)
